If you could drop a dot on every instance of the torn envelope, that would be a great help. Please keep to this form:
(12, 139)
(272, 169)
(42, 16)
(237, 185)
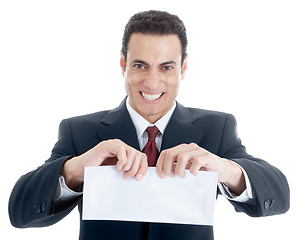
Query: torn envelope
(171, 200)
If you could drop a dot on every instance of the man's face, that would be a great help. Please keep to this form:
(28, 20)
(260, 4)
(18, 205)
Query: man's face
(153, 73)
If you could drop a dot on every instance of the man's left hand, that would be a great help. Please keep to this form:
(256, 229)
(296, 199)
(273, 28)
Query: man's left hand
(175, 160)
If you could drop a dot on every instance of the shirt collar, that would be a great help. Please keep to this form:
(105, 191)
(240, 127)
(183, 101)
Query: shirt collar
(141, 123)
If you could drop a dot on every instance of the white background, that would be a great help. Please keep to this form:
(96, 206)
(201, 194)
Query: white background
(61, 58)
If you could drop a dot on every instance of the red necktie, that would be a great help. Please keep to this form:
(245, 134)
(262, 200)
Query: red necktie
(150, 149)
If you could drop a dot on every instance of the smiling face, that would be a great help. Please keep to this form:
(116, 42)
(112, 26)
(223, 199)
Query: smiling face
(153, 73)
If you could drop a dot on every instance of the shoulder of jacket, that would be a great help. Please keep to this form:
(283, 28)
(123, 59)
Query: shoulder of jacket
(91, 117)
(208, 113)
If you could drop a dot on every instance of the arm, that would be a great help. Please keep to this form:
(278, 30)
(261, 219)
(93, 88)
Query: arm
(30, 203)
(269, 184)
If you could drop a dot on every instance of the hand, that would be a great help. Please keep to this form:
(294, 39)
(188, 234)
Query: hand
(111, 152)
(175, 160)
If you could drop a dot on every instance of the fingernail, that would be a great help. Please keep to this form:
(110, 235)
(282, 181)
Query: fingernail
(162, 175)
(139, 177)
(125, 177)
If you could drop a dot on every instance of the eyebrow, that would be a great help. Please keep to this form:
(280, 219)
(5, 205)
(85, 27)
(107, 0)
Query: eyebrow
(139, 61)
(167, 63)
(147, 64)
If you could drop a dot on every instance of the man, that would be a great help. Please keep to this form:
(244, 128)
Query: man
(153, 62)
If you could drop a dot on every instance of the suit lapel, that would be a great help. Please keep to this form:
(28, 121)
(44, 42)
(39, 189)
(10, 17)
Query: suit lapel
(117, 124)
(181, 129)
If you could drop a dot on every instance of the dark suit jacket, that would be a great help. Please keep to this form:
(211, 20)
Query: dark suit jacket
(31, 201)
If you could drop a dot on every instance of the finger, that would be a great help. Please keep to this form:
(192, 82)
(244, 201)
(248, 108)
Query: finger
(168, 162)
(198, 163)
(159, 164)
(172, 157)
(125, 157)
(130, 156)
(122, 159)
(115, 148)
(134, 167)
(186, 156)
(143, 168)
(184, 161)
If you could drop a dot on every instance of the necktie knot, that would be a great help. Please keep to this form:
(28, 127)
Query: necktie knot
(152, 132)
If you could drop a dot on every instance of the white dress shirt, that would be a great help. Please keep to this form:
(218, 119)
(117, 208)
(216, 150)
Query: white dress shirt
(64, 193)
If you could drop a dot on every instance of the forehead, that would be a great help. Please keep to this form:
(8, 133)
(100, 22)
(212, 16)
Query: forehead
(154, 48)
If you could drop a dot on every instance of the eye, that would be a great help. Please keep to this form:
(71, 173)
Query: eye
(167, 68)
(139, 66)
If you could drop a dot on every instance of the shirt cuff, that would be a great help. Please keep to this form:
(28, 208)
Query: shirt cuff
(246, 196)
(64, 193)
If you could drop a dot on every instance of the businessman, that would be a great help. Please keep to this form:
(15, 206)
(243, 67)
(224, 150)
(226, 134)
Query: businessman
(149, 128)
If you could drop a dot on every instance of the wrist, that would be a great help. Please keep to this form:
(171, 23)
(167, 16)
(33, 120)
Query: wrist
(72, 173)
(235, 179)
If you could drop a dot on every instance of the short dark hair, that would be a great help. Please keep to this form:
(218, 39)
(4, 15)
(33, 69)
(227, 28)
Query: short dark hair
(155, 23)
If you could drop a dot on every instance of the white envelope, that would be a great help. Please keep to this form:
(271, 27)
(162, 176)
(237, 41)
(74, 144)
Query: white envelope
(171, 200)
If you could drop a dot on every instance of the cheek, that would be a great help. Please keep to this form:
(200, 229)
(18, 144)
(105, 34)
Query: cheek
(127, 85)
(130, 85)
(174, 84)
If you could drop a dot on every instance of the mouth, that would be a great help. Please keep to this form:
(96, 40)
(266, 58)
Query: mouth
(151, 97)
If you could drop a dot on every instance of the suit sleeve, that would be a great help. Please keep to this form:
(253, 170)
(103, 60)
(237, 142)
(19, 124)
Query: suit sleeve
(270, 186)
(31, 200)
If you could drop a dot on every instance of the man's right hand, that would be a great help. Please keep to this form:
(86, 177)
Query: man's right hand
(111, 152)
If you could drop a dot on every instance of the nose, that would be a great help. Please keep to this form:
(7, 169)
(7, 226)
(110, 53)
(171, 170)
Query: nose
(153, 79)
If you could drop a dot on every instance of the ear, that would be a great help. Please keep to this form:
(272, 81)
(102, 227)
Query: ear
(122, 63)
(184, 66)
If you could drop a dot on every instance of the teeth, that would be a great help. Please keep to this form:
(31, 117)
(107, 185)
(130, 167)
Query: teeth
(151, 97)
